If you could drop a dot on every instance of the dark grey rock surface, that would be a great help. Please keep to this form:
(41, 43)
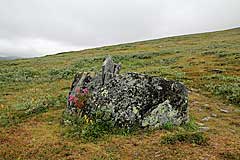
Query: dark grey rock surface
(130, 99)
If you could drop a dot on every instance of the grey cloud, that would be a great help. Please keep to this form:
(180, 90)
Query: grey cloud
(37, 27)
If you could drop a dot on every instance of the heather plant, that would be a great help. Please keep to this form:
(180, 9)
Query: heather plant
(80, 98)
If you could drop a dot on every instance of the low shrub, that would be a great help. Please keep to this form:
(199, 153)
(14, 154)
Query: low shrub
(91, 128)
(230, 156)
(85, 128)
(168, 126)
(225, 86)
(231, 92)
(65, 73)
(195, 138)
(18, 75)
(169, 61)
(190, 125)
(22, 111)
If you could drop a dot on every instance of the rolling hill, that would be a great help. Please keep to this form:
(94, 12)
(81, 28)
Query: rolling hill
(33, 97)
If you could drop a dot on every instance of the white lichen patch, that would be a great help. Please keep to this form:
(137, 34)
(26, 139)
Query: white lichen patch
(162, 114)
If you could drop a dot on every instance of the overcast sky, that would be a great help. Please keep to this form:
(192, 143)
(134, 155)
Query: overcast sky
(39, 27)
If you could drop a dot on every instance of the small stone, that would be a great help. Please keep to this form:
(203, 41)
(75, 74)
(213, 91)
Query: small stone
(199, 124)
(203, 129)
(193, 90)
(232, 130)
(206, 105)
(157, 155)
(206, 119)
(213, 115)
(223, 110)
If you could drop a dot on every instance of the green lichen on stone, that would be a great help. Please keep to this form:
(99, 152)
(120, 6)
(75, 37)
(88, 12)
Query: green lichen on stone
(135, 110)
(162, 114)
(104, 93)
(131, 99)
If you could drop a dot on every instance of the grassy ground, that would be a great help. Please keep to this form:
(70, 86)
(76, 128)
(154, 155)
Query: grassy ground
(33, 95)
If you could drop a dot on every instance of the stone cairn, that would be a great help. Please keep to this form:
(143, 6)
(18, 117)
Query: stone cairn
(130, 99)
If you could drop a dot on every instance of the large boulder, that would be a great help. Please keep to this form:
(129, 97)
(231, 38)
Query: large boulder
(130, 99)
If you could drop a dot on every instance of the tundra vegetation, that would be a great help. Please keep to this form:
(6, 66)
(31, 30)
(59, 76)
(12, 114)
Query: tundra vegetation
(33, 98)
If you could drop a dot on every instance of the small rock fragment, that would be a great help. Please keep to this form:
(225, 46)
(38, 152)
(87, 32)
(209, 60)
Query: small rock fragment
(223, 110)
(213, 115)
(203, 129)
(199, 124)
(206, 106)
(206, 119)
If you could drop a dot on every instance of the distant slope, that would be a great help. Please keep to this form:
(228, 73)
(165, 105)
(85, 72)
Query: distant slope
(9, 58)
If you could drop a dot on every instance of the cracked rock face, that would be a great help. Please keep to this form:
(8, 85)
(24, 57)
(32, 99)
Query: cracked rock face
(132, 99)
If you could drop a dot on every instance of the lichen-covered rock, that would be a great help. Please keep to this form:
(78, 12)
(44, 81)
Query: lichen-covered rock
(131, 99)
